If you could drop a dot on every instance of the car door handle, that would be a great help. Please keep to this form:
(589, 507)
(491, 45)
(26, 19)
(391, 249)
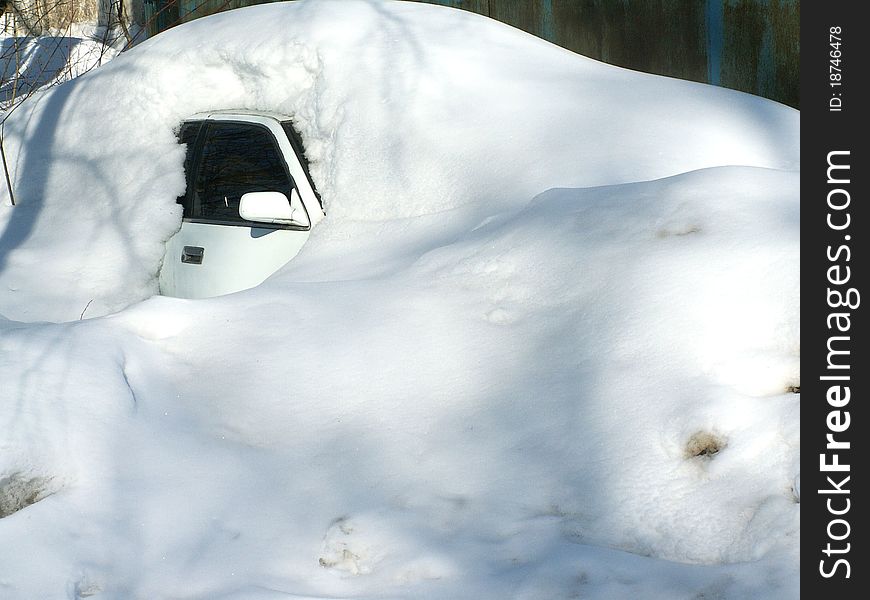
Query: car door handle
(192, 255)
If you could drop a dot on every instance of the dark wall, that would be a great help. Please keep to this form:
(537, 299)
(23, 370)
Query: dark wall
(749, 45)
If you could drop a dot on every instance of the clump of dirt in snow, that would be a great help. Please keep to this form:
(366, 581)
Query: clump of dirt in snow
(18, 491)
(704, 444)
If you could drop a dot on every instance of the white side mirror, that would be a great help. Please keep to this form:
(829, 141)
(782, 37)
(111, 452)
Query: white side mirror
(273, 207)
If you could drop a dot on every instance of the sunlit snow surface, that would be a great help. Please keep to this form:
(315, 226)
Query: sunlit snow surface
(541, 346)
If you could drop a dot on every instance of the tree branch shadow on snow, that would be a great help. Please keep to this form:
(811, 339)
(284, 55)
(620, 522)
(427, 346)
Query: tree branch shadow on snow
(44, 59)
(34, 169)
(37, 160)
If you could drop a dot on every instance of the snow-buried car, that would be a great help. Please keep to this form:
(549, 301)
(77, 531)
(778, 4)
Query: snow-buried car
(406, 111)
(249, 203)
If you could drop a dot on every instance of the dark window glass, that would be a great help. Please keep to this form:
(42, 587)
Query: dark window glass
(187, 136)
(299, 149)
(237, 158)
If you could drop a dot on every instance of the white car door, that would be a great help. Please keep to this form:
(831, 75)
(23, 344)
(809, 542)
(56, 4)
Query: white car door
(216, 251)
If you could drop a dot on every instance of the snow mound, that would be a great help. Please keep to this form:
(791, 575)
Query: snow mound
(543, 344)
(405, 110)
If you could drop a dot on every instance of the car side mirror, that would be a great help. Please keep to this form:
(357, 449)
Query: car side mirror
(273, 208)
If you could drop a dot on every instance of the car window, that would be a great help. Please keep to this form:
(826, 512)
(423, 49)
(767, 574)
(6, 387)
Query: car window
(187, 136)
(237, 158)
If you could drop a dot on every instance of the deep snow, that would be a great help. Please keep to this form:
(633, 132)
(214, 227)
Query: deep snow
(544, 288)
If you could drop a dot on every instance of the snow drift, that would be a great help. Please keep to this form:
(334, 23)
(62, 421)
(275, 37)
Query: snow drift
(542, 344)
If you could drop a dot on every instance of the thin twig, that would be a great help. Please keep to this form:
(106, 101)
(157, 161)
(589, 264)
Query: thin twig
(82, 316)
(5, 165)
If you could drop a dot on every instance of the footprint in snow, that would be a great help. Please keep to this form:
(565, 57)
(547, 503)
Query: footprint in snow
(344, 548)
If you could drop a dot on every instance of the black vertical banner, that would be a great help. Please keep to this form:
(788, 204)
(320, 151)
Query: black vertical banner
(834, 263)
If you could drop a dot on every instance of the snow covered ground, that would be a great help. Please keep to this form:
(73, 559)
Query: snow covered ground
(542, 345)
(28, 63)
